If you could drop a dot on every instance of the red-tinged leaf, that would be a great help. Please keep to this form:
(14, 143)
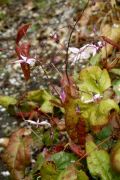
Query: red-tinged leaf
(23, 49)
(81, 132)
(26, 70)
(17, 155)
(22, 32)
(77, 149)
(111, 42)
(58, 148)
(68, 88)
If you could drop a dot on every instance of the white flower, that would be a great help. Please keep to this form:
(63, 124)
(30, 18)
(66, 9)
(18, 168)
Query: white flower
(5, 173)
(25, 59)
(84, 52)
(95, 98)
(43, 123)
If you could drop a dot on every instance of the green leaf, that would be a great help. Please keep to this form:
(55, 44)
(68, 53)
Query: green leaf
(98, 161)
(36, 96)
(63, 159)
(27, 106)
(97, 113)
(115, 71)
(105, 132)
(95, 59)
(116, 87)
(37, 136)
(115, 157)
(47, 140)
(93, 79)
(69, 173)
(107, 105)
(48, 171)
(39, 163)
(81, 175)
(104, 81)
(5, 101)
(43, 98)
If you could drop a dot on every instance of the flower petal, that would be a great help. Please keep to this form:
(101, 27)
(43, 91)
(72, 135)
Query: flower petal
(74, 50)
(23, 57)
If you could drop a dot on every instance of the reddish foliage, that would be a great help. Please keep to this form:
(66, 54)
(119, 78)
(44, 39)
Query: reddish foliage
(81, 132)
(109, 41)
(22, 32)
(68, 87)
(77, 149)
(24, 50)
(18, 153)
(26, 70)
(58, 148)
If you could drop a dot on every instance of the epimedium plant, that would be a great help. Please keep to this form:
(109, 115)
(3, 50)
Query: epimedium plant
(74, 134)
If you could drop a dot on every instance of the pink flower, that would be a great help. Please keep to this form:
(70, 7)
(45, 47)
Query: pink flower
(84, 52)
(62, 96)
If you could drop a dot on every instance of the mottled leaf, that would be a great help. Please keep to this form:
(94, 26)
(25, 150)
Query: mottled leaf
(98, 161)
(93, 79)
(97, 114)
(17, 155)
(63, 159)
(69, 173)
(48, 171)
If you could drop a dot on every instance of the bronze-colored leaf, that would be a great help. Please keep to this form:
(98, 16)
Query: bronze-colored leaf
(17, 155)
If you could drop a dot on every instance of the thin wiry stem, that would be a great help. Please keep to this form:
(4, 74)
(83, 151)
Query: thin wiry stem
(48, 78)
(69, 40)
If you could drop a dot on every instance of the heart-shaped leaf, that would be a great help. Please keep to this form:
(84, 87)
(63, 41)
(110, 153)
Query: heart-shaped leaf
(63, 159)
(93, 79)
(97, 113)
(98, 161)
(17, 155)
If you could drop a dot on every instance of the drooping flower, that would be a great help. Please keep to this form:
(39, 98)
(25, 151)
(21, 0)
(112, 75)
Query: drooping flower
(84, 52)
(24, 59)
